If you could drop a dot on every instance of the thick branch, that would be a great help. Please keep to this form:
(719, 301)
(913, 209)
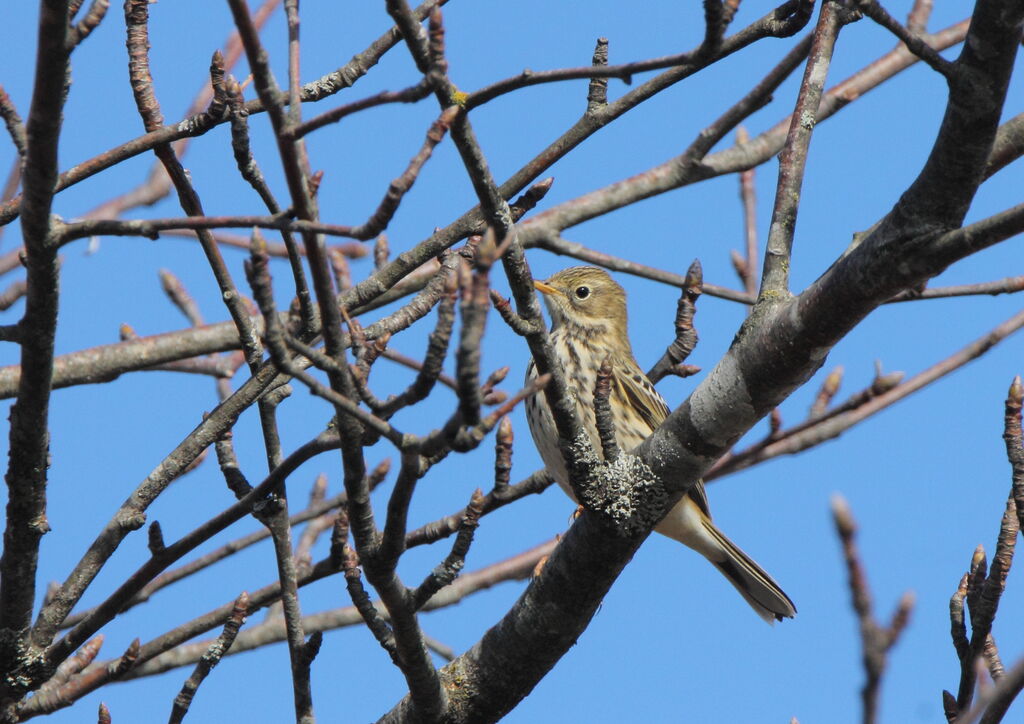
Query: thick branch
(774, 353)
(29, 435)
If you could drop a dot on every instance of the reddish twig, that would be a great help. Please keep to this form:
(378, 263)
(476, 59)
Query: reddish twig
(748, 195)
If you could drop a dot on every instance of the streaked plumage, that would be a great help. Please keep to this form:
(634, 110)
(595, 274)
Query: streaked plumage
(588, 314)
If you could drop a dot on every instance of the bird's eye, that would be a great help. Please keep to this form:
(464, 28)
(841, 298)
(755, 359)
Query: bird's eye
(582, 292)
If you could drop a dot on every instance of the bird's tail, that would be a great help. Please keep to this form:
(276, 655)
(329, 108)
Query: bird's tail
(758, 589)
(689, 524)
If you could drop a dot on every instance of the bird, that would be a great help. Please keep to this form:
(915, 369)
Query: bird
(588, 326)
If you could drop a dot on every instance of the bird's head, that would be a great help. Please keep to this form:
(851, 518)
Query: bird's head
(587, 298)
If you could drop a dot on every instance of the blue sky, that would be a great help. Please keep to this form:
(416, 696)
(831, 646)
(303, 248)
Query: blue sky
(926, 479)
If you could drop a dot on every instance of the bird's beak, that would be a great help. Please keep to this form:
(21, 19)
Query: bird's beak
(544, 288)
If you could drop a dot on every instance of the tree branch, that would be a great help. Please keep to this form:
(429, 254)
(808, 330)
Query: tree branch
(29, 435)
(793, 160)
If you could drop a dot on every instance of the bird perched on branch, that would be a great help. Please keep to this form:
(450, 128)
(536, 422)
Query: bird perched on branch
(588, 326)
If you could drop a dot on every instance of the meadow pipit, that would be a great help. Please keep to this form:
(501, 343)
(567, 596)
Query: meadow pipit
(588, 325)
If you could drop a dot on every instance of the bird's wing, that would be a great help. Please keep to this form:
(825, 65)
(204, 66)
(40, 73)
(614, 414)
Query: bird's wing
(653, 410)
(699, 496)
(642, 396)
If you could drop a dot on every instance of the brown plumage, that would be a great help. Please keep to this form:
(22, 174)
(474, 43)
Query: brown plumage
(588, 325)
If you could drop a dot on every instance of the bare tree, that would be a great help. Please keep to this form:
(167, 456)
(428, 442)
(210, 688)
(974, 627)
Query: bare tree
(305, 329)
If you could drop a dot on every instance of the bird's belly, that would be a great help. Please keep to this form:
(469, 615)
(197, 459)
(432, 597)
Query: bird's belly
(681, 523)
(545, 435)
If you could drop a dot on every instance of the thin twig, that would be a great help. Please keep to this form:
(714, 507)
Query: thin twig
(448, 570)
(211, 658)
(686, 335)
(92, 18)
(909, 38)
(777, 261)
(412, 94)
(748, 195)
(517, 567)
(876, 640)
(15, 126)
(983, 592)
(603, 417)
(880, 395)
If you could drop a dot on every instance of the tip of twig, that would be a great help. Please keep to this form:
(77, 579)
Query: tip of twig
(901, 617)
(884, 383)
(739, 262)
(1016, 393)
(842, 516)
(494, 397)
(232, 87)
(339, 540)
(167, 279)
(350, 250)
(684, 370)
(531, 197)
(381, 251)
(129, 657)
(241, 608)
(312, 647)
(829, 387)
(91, 649)
(52, 589)
(257, 244)
(487, 250)
(695, 274)
(498, 376)
(156, 538)
(949, 705)
(978, 559)
(383, 468)
(314, 181)
(319, 489)
(505, 435)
